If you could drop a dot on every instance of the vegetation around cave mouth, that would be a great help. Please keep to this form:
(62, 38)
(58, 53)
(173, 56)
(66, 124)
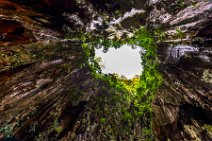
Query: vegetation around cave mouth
(130, 99)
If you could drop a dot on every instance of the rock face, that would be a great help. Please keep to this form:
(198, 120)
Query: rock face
(45, 83)
(182, 108)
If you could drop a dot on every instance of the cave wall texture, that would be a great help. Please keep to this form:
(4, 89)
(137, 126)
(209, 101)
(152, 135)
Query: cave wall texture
(45, 84)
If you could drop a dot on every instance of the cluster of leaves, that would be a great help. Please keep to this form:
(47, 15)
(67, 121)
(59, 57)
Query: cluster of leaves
(160, 34)
(136, 94)
(180, 34)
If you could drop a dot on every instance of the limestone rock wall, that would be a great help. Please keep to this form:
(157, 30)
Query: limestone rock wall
(182, 108)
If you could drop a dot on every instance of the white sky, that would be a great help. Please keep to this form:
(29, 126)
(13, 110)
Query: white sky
(123, 61)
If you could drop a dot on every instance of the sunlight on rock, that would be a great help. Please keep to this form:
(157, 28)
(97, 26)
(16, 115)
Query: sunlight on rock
(123, 61)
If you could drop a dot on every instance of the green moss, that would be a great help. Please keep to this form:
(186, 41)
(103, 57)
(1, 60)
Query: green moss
(103, 120)
(208, 127)
(12, 59)
(58, 129)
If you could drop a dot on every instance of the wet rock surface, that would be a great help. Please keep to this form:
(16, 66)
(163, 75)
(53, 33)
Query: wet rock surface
(45, 85)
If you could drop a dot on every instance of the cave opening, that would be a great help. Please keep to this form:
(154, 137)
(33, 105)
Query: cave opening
(124, 61)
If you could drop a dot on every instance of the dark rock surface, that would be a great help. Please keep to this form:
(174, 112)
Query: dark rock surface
(182, 108)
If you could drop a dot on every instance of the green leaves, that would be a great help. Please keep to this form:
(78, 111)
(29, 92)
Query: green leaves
(133, 97)
(103, 120)
(180, 34)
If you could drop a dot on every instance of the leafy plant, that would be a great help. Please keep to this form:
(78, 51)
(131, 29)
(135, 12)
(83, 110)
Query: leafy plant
(180, 34)
(160, 35)
(130, 99)
(103, 120)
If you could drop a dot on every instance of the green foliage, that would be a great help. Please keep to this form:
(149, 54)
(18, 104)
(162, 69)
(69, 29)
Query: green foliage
(180, 34)
(103, 120)
(160, 34)
(11, 59)
(208, 127)
(58, 130)
(6, 129)
(130, 99)
(180, 3)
